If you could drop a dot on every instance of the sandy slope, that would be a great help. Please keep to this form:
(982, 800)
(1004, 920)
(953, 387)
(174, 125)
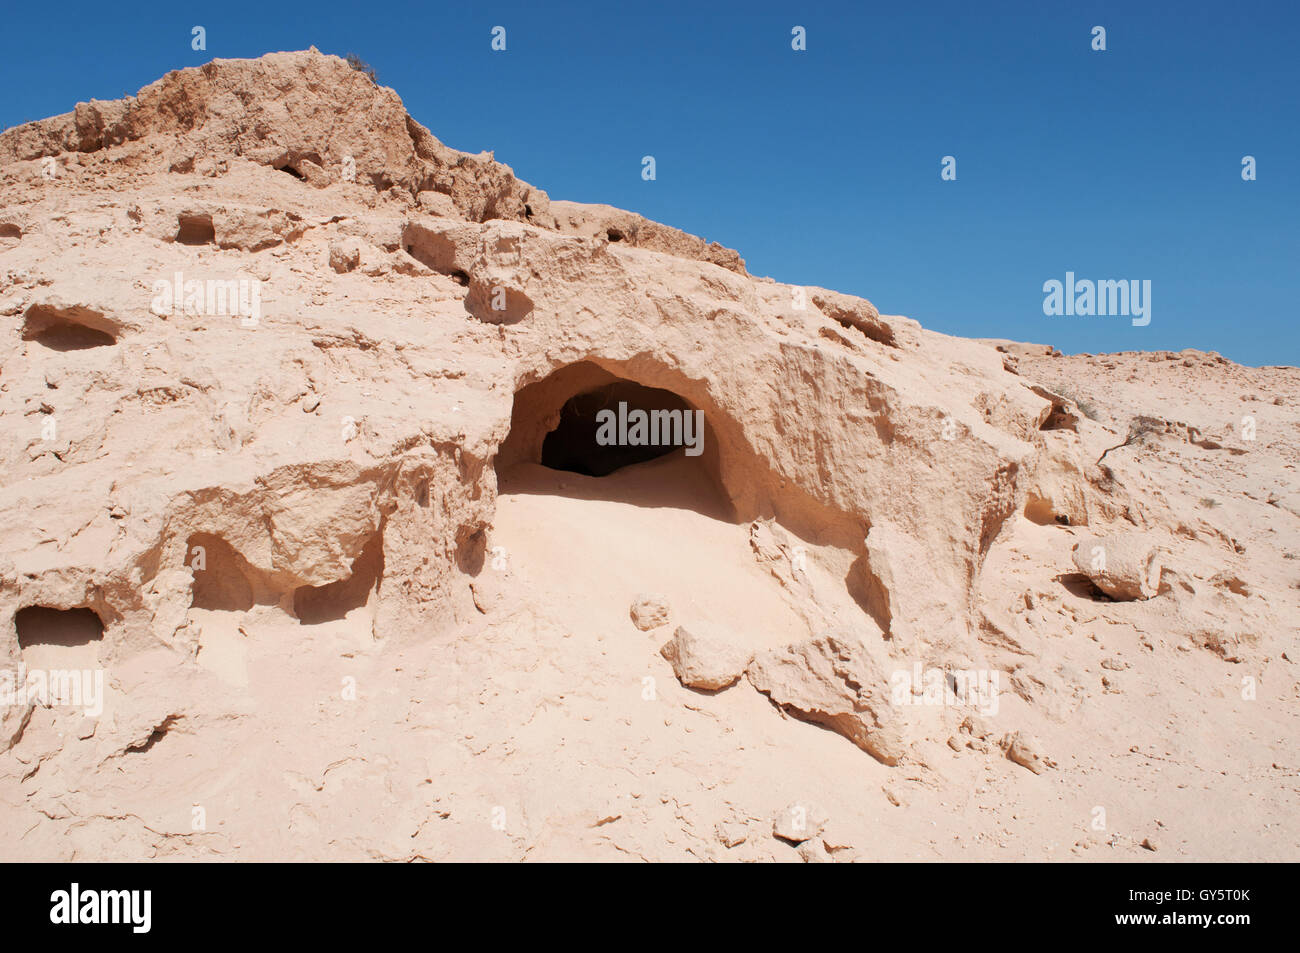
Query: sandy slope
(543, 716)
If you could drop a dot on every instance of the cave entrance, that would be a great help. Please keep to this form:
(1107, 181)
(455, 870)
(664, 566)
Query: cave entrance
(620, 424)
(637, 441)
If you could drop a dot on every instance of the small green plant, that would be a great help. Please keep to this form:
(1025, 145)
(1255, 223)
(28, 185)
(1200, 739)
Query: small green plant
(361, 66)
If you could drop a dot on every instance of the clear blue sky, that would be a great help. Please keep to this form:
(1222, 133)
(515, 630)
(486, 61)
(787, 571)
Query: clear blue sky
(822, 167)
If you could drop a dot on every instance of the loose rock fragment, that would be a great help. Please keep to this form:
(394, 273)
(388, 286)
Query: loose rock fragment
(799, 821)
(649, 611)
(345, 255)
(1025, 751)
(834, 681)
(1125, 566)
(704, 657)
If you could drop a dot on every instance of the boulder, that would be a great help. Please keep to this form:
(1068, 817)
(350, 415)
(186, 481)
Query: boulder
(1125, 566)
(834, 681)
(704, 657)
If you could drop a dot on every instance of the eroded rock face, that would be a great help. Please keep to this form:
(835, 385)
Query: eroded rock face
(271, 352)
(854, 392)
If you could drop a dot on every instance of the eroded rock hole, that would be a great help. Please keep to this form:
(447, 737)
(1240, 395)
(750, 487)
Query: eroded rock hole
(68, 329)
(471, 550)
(614, 235)
(59, 638)
(193, 228)
(434, 250)
(65, 628)
(332, 601)
(1060, 419)
(222, 578)
(555, 430)
(618, 425)
(292, 171)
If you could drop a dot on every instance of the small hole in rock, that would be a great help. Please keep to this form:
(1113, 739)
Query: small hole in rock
(333, 601)
(66, 329)
(59, 638)
(221, 575)
(195, 230)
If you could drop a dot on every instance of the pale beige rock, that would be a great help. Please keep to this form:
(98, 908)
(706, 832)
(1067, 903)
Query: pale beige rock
(1024, 750)
(649, 611)
(345, 255)
(703, 656)
(1125, 566)
(731, 834)
(812, 852)
(834, 680)
(799, 821)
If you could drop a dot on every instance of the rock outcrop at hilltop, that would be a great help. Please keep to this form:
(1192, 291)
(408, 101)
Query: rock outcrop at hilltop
(843, 444)
(272, 351)
(318, 119)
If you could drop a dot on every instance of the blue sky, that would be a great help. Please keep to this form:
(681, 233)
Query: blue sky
(822, 167)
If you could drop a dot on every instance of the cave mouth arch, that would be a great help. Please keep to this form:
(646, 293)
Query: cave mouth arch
(661, 445)
(620, 424)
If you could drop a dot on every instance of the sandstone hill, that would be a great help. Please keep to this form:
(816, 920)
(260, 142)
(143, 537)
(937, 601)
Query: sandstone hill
(294, 397)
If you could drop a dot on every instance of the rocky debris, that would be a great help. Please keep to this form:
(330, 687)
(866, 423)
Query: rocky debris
(814, 852)
(731, 834)
(857, 314)
(617, 226)
(1124, 566)
(1024, 750)
(834, 681)
(799, 821)
(649, 611)
(705, 657)
(345, 255)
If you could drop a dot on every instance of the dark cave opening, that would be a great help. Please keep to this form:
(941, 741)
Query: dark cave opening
(617, 425)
